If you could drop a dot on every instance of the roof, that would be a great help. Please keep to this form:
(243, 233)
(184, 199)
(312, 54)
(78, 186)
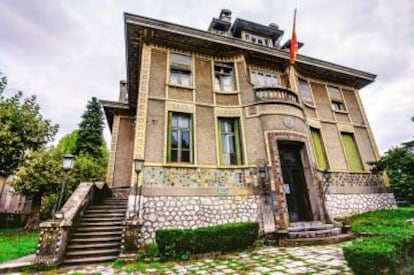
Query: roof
(140, 29)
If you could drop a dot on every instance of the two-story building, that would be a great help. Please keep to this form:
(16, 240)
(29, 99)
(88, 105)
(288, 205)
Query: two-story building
(229, 130)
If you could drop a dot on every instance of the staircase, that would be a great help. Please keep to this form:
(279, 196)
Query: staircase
(315, 232)
(97, 237)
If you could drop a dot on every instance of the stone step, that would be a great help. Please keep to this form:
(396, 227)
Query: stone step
(95, 252)
(304, 224)
(98, 228)
(106, 206)
(318, 240)
(91, 240)
(96, 233)
(94, 245)
(108, 210)
(103, 215)
(100, 222)
(90, 259)
(314, 233)
(312, 227)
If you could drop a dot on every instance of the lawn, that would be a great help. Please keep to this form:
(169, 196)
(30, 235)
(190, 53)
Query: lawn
(391, 248)
(384, 221)
(15, 243)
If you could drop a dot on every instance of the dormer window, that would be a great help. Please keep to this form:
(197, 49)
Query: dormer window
(260, 79)
(180, 69)
(256, 39)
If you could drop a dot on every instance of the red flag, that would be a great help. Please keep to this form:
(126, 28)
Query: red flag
(293, 42)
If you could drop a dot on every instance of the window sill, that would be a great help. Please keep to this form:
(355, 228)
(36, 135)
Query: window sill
(181, 86)
(180, 164)
(345, 171)
(226, 92)
(242, 166)
(340, 112)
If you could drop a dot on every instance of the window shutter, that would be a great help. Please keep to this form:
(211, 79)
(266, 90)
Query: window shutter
(169, 137)
(237, 140)
(220, 142)
(351, 152)
(319, 149)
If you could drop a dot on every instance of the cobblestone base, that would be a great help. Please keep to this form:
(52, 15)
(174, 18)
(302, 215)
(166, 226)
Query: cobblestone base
(343, 205)
(194, 212)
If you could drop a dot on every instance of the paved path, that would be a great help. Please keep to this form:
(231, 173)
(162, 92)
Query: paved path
(263, 260)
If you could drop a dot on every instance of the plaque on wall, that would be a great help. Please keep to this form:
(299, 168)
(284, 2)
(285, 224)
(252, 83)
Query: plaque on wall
(288, 122)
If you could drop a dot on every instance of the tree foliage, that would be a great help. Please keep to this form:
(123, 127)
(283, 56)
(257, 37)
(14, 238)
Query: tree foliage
(22, 130)
(90, 138)
(398, 162)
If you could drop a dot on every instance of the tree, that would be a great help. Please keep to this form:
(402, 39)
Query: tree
(40, 174)
(398, 162)
(90, 138)
(22, 130)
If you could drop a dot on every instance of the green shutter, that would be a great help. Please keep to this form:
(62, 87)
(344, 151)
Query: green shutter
(237, 140)
(351, 152)
(220, 140)
(169, 137)
(319, 149)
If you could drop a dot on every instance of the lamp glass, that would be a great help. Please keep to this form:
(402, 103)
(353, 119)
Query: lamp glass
(67, 162)
(138, 165)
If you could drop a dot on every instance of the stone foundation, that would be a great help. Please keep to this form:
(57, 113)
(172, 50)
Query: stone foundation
(194, 212)
(343, 205)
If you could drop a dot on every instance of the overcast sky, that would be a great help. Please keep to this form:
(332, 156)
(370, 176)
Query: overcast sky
(65, 52)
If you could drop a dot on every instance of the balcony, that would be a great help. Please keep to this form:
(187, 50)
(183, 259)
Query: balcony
(273, 94)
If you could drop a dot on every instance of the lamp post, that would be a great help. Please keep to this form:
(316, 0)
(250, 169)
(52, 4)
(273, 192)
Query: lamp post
(67, 164)
(326, 177)
(138, 164)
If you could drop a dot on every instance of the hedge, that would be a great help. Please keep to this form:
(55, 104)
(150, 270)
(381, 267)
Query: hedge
(379, 255)
(178, 243)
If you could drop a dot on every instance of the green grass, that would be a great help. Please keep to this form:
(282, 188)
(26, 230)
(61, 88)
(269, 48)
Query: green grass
(384, 221)
(15, 243)
(389, 253)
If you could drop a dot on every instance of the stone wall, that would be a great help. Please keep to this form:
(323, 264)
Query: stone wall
(194, 212)
(343, 205)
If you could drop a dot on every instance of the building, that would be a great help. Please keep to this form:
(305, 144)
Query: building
(209, 112)
(227, 130)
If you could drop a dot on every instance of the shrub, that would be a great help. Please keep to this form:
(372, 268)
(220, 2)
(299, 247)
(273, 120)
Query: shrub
(388, 254)
(180, 243)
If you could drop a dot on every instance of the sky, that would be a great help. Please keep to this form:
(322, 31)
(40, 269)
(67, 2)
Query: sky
(66, 52)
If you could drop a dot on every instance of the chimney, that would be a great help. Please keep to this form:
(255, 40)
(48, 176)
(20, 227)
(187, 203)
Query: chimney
(274, 26)
(225, 15)
(123, 91)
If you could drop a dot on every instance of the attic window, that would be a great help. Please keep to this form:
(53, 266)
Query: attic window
(256, 39)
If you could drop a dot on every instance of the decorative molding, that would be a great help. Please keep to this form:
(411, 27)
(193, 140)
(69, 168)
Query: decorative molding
(228, 112)
(176, 106)
(141, 120)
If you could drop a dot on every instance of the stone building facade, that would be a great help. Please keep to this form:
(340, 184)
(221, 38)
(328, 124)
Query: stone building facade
(230, 131)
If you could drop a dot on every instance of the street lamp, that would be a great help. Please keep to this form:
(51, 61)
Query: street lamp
(67, 164)
(326, 177)
(138, 165)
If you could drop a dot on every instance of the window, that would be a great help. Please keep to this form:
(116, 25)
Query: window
(256, 39)
(180, 69)
(337, 102)
(319, 149)
(224, 77)
(305, 91)
(229, 141)
(261, 79)
(180, 144)
(351, 152)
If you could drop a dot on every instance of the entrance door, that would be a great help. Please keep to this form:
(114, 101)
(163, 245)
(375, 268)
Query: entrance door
(294, 181)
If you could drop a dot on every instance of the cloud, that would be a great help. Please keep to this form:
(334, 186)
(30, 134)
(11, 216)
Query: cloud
(65, 52)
